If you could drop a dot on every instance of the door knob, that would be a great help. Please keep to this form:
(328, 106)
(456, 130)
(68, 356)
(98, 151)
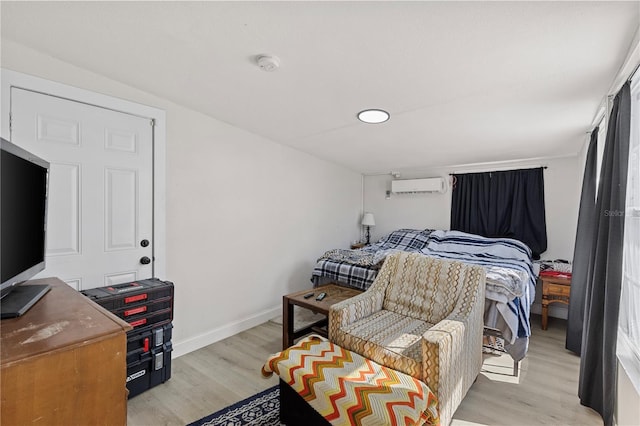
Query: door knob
(145, 260)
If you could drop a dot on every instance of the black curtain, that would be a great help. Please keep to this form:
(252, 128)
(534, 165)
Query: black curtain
(502, 204)
(597, 385)
(583, 246)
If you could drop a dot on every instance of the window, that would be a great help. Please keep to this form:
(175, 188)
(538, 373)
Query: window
(499, 204)
(628, 349)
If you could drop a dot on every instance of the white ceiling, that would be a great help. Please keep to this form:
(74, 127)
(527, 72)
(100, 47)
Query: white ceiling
(465, 82)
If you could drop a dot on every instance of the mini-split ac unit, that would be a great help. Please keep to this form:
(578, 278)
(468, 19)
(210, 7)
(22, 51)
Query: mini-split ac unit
(406, 186)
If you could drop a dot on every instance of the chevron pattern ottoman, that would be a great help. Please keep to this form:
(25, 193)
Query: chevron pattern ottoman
(345, 388)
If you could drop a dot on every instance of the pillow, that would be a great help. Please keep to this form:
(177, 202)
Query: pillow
(405, 239)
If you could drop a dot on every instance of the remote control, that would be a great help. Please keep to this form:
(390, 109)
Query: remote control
(306, 296)
(321, 296)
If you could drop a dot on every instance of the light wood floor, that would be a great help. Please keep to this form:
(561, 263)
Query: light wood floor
(214, 377)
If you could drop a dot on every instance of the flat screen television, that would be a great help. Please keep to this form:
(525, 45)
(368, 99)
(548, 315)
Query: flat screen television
(23, 221)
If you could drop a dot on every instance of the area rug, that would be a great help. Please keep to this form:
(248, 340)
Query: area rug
(261, 409)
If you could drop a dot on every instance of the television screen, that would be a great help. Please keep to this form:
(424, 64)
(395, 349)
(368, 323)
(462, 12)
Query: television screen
(23, 207)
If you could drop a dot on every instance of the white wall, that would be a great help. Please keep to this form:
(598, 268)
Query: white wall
(433, 210)
(628, 403)
(246, 217)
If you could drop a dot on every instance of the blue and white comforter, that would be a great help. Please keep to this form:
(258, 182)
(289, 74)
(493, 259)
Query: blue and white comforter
(511, 281)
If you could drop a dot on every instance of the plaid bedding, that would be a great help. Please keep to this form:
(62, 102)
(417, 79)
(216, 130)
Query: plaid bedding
(402, 239)
(356, 276)
(361, 277)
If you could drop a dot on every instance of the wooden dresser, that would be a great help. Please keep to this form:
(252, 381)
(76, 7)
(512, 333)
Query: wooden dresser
(63, 362)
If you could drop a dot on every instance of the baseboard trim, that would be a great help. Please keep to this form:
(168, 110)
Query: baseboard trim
(227, 330)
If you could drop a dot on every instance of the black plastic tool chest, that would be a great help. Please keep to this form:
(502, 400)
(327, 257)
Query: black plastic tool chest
(148, 306)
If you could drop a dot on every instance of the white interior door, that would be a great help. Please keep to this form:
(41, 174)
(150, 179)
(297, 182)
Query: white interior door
(100, 209)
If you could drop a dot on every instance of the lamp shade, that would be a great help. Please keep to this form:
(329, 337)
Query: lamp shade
(368, 220)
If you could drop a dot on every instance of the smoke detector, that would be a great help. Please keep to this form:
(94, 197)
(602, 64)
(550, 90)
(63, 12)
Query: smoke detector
(268, 63)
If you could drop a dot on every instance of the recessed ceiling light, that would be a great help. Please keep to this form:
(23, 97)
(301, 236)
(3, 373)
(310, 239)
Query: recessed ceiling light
(373, 116)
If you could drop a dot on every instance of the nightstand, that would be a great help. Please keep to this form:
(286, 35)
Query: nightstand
(554, 290)
(358, 245)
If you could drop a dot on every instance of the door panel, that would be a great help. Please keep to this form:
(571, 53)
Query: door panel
(119, 278)
(64, 210)
(57, 130)
(100, 187)
(121, 200)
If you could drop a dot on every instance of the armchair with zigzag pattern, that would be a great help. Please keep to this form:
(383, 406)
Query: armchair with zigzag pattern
(421, 316)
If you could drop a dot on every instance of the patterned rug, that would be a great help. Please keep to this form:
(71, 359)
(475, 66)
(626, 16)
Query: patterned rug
(261, 409)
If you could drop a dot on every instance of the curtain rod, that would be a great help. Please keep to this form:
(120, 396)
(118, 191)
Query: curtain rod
(633, 73)
(497, 170)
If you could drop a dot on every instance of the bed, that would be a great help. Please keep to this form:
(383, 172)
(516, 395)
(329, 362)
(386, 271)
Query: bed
(511, 279)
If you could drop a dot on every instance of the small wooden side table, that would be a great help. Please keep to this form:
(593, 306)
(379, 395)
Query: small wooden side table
(335, 294)
(554, 290)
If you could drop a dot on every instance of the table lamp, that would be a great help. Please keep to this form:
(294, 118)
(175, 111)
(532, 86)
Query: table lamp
(368, 221)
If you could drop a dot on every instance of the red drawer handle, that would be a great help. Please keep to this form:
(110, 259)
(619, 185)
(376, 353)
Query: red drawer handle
(138, 322)
(145, 348)
(135, 311)
(135, 298)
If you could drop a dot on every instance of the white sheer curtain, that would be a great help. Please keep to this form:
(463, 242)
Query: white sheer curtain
(628, 348)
